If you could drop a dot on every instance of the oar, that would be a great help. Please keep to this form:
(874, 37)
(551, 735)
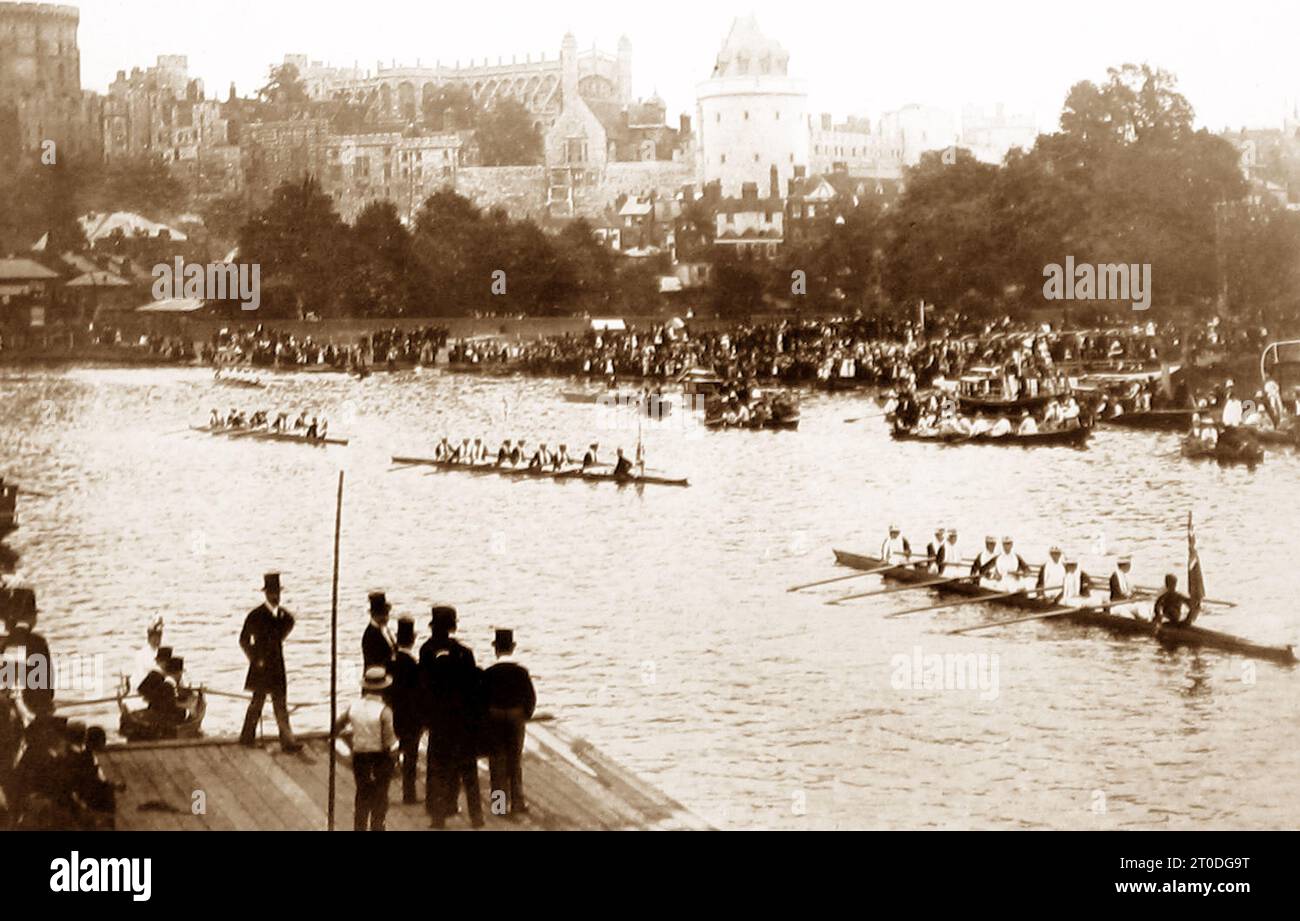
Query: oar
(31, 492)
(899, 588)
(1042, 615)
(1156, 591)
(965, 599)
(865, 418)
(856, 575)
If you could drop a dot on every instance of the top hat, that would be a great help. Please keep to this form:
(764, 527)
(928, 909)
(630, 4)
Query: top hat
(271, 582)
(379, 603)
(164, 653)
(405, 631)
(376, 679)
(444, 616)
(504, 641)
(175, 665)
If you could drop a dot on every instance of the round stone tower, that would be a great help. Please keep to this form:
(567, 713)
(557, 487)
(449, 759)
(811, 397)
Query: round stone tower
(38, 51)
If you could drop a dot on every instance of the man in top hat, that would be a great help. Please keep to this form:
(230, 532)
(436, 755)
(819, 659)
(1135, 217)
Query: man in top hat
(377, 643)
(262, 640)
(404, 698)
(510, 699)
(374, 744)
(450, 682)
(1123, 598)
(150, 688)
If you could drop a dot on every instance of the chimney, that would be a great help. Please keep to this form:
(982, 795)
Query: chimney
(827, 122)
(684, 125)
(839, 168)
(774, 182)
(749, 192)
(801, 172)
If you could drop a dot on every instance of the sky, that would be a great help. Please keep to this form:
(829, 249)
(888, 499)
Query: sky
(1237, 63)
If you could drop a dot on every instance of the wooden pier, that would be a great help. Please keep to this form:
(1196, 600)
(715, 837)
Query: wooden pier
(219, 785)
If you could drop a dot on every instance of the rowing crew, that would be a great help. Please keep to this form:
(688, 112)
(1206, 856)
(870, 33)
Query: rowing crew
(1059, 580)
(310, 427)
(542, 459)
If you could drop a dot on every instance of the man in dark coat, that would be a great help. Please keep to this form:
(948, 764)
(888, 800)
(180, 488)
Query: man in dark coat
(404, 698)
(449, 680)
(262, 640)
(510, 699)
(25, 654)
(377, 646)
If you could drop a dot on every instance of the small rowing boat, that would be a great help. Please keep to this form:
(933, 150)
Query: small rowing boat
(264, 435)
(788, 423)
(1074, 438)
(523, 473)
(1196, 637)
(144, 726)
(1154, 420)
(1240, 448)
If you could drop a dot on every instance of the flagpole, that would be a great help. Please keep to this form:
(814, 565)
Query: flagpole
(334, 650)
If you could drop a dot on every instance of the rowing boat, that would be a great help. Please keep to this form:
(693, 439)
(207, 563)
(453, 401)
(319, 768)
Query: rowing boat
(789, 423)
(1115, 623)
(1074, 437)
(1154, 420)
(523, 473)
(263, 435)
(1240, 450)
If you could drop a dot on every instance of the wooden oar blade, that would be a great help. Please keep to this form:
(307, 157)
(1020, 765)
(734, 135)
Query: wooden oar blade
(1042, 615)
(909, 586)
(956, 602)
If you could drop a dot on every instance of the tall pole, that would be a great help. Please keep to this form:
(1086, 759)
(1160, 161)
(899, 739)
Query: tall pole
(334, 649)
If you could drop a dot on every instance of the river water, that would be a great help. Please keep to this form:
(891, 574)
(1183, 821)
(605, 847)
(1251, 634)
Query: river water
(656, 621)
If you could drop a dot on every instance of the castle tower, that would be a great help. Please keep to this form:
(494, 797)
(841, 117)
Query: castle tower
(40, 81)
(569, 68)
(624, 70)
(753, 117)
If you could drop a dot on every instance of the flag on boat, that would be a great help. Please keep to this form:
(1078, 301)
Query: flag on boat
(1195, 581)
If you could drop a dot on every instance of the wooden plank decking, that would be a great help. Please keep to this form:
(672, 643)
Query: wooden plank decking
(570, 786)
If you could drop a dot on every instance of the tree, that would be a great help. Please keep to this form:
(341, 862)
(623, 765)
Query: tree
(143, 184)
(303, 249)
(285, 92)
(450, 108)
(506, 136)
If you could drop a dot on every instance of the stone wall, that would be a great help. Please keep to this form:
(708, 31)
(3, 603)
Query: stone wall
(520, 190)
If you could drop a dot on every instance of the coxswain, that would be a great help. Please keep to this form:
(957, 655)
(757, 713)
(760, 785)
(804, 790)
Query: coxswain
(985, 561)
(539, 459)
(1051, 575)
(895, 548)
(1123, 600)
(503, 453)
(1010, 568)
(1169, 605)
(622, 467)
(934, 551)
(560, 459)
(590, 459)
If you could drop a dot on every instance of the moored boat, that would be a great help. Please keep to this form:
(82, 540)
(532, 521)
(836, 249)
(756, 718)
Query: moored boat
(1154, 420)
(1240, 449)
(1076, 437)
(523, 473)
(143, 726)
(1196, 637)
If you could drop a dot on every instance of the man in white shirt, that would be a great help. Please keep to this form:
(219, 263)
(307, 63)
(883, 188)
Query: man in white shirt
(896, 548)
(1010, 567)
(1232, 410)
(373, 746)
(1027, 425)
(952, 563)
(1076, 588)
(1052, 574)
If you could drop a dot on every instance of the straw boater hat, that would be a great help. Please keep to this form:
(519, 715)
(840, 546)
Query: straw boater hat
(376, 679)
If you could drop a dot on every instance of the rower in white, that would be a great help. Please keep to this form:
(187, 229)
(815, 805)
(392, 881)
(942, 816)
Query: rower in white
(952, 564)
(1010, 568)
(1076, 590)
(1123, 600)
(1052, 574)
(985, 561)
(895, 548)
(934, 551)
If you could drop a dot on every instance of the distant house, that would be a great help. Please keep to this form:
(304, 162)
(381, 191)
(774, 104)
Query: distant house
(28, 294)
(753, 227)
(99, 227)
(825, 198)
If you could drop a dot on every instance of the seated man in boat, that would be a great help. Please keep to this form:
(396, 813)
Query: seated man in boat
(980, 425)
(464, 452)
(281, 422)
(895, 548)
(1051, 575)
(590, 459)
(934, 551)
(313, 430)
(1070, 413)
(146, 658)
(215, 420)
(951, 558)
(985, 560)
(478, 452)
(517, 453)
(324, 429)
(153, 679)
(1010, 569)
(1001, 428)
(1123, 599)
(622, 467)
(1027, 425)
(503, 453)
(560, 459)
(1076, 587)
(301, 422)
(1233, 412)
(1204, 432)
(1170, 604)
(540, 458)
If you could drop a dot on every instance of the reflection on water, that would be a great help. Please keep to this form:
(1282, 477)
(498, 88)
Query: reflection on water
(657, 622)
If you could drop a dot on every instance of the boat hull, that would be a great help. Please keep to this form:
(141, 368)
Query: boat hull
(1115, 623)
(1156, 420)
(139, 726)
(522, 473)
(260, 435)
(1073, 438)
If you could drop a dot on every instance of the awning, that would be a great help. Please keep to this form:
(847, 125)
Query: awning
(602, 325)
